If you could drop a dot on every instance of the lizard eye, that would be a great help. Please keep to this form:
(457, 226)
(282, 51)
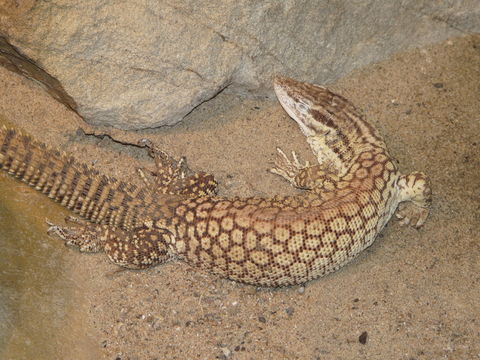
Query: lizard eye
(302, 107)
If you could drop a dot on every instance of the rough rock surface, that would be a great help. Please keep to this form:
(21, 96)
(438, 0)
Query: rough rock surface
(12, 60)
(137, 65)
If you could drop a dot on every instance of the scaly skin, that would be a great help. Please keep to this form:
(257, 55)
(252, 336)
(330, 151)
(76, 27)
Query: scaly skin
(350, 195)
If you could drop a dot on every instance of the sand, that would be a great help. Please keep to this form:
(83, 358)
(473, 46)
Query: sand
(412, 295)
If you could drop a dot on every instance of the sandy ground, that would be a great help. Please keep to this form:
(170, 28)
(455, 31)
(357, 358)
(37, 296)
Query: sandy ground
(412, 295)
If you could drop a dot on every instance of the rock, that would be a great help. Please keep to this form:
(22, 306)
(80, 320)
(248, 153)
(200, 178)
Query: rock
(362, 339)
(135, 65)
(16, 62)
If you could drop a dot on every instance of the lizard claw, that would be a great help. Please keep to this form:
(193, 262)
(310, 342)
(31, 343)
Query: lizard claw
(411, 214)
(145, 143)
(286, 168)
(297, 163)
(84, 236)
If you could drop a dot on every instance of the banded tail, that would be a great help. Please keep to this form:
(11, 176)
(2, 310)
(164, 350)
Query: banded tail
(75, 185)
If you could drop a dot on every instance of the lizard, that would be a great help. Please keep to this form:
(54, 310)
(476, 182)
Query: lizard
(348, 198)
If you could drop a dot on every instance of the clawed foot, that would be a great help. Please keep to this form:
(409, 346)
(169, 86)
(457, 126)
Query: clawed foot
(84, 236)
(175, 177)
(138, 249)
(286, 168)
(167, 168)
(411, 214)
(416, 192)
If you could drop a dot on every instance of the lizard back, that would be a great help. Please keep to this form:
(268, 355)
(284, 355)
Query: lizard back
(290, 240)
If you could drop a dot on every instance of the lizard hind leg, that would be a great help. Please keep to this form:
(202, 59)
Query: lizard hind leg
(89, 238)
(136, 249)
(175, 177)
(139, 249)
(415, 194)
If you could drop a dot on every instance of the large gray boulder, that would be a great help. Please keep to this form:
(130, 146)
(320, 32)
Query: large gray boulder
(135, 65)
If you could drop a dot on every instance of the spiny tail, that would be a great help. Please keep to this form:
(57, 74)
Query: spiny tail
(78, 187)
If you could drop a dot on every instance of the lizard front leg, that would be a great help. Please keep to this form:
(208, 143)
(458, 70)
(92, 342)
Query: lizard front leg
(317, 178)
(136, 249)
(288, 169)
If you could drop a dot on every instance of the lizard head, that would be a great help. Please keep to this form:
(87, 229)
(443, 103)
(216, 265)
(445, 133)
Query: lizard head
(328, 120)
(300, 100)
